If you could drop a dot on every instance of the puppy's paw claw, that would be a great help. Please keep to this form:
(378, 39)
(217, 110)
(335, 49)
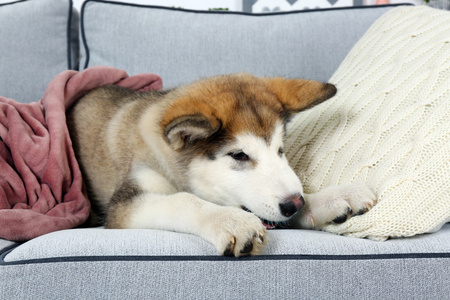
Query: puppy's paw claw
(235, 232)
(229, 251)
(337, 204)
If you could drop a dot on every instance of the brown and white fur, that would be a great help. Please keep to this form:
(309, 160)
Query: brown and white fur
(206, 159)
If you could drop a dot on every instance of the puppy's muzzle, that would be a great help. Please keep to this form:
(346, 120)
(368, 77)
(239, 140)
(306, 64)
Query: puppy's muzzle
(291, 205)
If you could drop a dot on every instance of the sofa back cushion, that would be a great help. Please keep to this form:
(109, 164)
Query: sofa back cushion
(183, 45)
(38, 40)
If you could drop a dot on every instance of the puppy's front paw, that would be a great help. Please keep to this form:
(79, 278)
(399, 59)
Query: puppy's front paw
(235, 232)
(335, 204)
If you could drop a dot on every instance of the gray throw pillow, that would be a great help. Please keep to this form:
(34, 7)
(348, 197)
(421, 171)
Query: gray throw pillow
(38, 40)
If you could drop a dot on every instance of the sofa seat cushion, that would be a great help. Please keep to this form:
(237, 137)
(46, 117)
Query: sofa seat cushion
(388, 126)
(99, 243)
(38, 40)
(149, 264)
(182, 45)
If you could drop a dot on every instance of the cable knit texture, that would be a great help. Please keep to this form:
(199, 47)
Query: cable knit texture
(388, 126)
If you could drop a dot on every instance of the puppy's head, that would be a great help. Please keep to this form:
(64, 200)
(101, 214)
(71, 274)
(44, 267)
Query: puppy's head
(228, 131)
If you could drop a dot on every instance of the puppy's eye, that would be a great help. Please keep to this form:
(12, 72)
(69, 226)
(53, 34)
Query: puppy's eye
(239, 156)
(280, 151)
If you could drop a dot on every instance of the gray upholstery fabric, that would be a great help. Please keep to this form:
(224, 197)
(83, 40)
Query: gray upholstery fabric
(166, 41)
(134, 242)
(4, 244)
(140, 264)
(36, 44)
(412, 278)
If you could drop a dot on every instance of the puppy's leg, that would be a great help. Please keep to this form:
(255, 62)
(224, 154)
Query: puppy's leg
(230, 229)
(334, 204)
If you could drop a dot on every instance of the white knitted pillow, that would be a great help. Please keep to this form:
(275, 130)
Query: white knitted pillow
(388, 126)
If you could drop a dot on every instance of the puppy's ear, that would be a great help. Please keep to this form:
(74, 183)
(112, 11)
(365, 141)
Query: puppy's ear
(184, 125)
(299, 94)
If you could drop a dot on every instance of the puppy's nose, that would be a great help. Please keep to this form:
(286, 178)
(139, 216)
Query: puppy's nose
(291, 205)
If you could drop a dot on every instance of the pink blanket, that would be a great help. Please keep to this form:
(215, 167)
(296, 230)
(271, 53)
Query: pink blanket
(41, 188)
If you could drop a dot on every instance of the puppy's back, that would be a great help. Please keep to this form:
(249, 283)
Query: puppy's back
(89, 121)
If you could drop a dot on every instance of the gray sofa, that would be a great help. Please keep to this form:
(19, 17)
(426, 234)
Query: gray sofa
(40, 38)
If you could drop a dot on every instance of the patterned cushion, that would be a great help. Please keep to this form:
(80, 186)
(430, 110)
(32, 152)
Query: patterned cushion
(388, 126)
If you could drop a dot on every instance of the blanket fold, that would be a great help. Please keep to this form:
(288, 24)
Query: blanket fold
(41, 187)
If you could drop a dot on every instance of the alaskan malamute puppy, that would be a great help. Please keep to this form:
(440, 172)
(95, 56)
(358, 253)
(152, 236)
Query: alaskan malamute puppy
(206, 159)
